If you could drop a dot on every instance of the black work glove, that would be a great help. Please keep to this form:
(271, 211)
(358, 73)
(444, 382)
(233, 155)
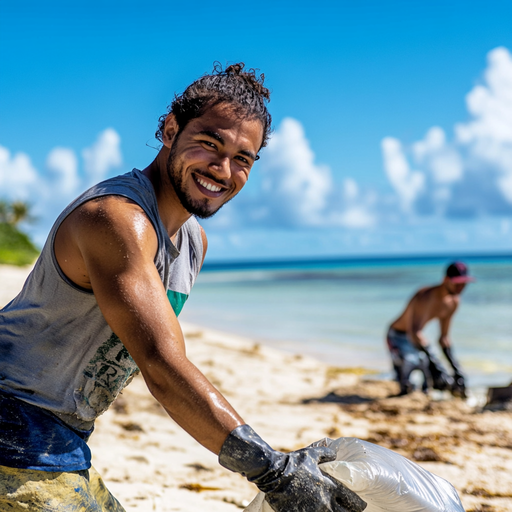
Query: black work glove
(292, 482)
(441, 379)
(459, 384)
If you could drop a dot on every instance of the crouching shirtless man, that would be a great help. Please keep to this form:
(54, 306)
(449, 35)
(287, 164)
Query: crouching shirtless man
(408, 347)
(102, 303)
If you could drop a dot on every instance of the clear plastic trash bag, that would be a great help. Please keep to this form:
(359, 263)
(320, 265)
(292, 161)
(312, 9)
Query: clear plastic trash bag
(384, 479)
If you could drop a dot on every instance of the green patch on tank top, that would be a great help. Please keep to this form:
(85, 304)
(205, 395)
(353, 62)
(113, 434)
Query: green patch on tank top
(177, 300)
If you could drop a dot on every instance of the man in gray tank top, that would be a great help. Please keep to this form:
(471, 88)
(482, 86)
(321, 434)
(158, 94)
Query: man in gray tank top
(102, 303)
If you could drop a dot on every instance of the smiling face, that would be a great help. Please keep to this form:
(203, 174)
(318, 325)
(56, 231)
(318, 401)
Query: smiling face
(210, 160)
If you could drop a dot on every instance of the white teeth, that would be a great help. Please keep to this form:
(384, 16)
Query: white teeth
(213, 188)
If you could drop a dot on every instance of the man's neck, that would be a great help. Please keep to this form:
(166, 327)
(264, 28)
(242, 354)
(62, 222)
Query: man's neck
(172, 213)
(445, 292)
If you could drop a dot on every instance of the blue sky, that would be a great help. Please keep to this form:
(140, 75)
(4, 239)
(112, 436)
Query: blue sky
(393, 120)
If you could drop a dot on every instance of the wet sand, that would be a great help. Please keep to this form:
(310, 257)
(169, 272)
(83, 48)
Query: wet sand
(151, 464)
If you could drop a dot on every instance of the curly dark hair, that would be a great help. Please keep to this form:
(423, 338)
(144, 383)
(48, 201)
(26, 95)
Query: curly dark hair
(243, 90)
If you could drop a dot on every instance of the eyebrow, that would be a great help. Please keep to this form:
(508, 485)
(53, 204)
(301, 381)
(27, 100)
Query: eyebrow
(218, 137)
(213, 135)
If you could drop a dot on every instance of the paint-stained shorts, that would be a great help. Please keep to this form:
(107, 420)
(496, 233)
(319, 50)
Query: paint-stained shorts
(402, 350)
(23, 490)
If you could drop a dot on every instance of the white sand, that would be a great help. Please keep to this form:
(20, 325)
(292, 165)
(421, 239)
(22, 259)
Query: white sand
(11, 281)
(150, 464)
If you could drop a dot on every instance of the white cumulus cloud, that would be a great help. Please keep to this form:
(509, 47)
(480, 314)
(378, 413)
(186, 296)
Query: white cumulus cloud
(407, 183)
(63, 165)
(470, 175)
(296, 186)
(18, 177)
(488, 136)
(490, 104)
(103, 155)
(443, 161)
(49, 192)
(353, 217)
(350, 189)
(296, 191)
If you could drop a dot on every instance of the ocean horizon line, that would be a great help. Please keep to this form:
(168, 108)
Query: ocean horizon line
(350, 261)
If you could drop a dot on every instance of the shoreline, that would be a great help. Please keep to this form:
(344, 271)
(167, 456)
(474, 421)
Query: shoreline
(353, 261)
(342, 315)
(150, 464)
(370, 362)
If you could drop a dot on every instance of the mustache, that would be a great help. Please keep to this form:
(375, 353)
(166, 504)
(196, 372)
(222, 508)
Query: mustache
(210, 176)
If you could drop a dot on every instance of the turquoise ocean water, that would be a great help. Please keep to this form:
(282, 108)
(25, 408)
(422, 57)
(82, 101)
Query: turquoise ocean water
(339, 312)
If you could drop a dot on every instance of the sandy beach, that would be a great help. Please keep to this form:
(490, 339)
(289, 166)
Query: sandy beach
(150, 464)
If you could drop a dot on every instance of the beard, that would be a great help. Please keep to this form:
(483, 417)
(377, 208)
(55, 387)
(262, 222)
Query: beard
(199, 207)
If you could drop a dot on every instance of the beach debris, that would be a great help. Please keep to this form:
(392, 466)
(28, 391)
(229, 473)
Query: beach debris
(120, 405)
(139, 458)
(253, 350)
(194, 334)
(334, 372)
(499, 399)
(419, 448)
(131, 427)
(353, 370)
(335, 398)
(334, 431)
(485, 493)
(195, 487)
(483, 507)
(198, 467)
(426, 454)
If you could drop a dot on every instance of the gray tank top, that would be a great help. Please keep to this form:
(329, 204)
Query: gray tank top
(56, 349)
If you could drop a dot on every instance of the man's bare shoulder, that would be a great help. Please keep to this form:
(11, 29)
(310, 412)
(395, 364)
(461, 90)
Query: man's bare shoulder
(425, 294)
(109, 210)
(111, 228)
(112, 216)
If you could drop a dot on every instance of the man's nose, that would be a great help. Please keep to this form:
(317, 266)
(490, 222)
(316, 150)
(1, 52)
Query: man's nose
(221, 167)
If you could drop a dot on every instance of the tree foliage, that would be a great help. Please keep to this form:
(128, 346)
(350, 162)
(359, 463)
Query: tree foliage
(16, 247)
(14, 213)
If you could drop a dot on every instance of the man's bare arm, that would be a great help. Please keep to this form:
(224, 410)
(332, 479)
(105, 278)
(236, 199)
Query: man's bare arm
(118, 249)
(414, 328)
(113, 244)
(444, 325)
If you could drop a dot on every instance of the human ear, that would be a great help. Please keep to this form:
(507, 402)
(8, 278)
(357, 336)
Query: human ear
(170, 130)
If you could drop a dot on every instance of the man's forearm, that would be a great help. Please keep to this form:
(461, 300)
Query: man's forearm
(288, 479)
(444, 341)
(192, 401)
(418, 339)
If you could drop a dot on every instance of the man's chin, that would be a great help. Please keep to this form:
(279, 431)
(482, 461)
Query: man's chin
(201, 214)
(202, 211)
(202, 208)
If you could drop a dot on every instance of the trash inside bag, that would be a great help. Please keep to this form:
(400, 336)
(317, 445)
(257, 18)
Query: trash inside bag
(385, 480)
